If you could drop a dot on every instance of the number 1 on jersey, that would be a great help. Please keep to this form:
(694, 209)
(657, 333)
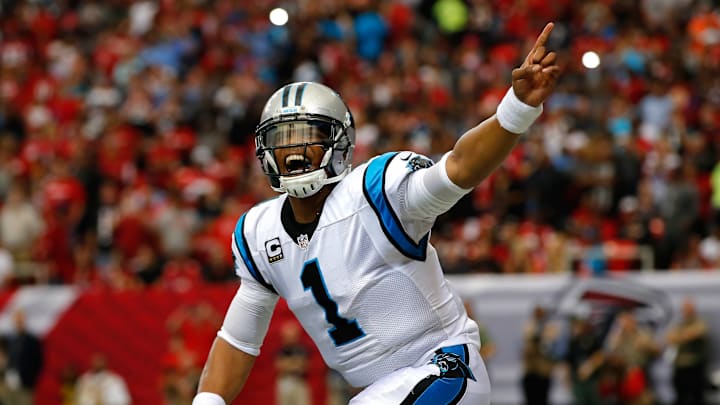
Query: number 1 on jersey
(344, 330)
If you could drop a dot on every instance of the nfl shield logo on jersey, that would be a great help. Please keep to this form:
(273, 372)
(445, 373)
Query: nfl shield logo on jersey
(303, 241)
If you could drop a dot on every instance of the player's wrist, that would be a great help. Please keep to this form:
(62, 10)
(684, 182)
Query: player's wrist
(514, 115)
(208, 398)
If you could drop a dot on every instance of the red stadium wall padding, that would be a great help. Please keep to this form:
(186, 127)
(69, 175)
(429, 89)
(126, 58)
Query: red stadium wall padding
(130, 328)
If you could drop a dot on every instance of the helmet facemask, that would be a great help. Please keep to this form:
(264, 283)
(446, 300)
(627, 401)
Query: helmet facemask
(302, 153)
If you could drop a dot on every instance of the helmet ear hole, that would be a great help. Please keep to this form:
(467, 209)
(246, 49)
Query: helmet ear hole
(342, 143)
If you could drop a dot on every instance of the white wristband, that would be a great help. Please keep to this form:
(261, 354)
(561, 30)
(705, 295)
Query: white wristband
(208, 398)
(514, 115)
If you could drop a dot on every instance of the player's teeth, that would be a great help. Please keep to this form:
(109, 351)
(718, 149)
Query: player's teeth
(293, 161)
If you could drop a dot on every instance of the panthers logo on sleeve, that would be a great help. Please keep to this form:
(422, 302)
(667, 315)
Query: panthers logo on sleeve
(416, 162)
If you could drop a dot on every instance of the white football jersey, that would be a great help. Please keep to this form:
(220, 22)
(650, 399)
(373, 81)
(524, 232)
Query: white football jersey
(366, 286)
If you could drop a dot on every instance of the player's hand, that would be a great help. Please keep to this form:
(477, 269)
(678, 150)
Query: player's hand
(535, 79)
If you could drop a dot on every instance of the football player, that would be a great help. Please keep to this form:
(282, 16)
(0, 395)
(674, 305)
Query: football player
(349, 252)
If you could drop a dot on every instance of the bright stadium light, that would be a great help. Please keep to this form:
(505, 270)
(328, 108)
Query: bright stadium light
(278, 16)
(591, 60)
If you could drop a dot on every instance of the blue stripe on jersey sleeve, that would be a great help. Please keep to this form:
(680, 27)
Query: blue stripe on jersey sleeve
(374, 190)
(241, 244)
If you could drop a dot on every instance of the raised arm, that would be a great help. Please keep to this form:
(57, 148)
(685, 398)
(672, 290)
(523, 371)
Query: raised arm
(481, 149)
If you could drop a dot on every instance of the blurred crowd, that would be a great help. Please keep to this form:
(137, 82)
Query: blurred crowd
(613, 363)
(126, 129)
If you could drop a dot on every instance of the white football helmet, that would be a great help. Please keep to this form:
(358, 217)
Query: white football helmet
(300, 115)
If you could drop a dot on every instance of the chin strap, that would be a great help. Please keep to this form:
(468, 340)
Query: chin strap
(308, 184)
(303, 185)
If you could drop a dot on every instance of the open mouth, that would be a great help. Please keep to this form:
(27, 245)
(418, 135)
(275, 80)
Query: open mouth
(296, 164)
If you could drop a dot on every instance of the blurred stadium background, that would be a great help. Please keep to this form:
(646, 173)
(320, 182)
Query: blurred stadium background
(126, 156)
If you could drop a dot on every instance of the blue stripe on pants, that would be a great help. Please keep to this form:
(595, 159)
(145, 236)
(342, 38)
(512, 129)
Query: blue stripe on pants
(443, 391)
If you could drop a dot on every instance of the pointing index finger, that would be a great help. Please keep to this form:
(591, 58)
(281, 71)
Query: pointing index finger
(542, 38)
